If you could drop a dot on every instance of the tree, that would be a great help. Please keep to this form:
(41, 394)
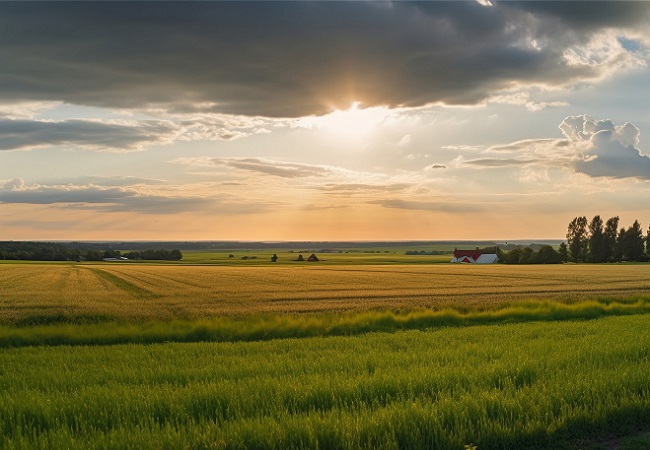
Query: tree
(577, 241)
(501, 256)
(547, 255)
(93, 255)
(527, 256)
(136, 254)
(632, 243)
(609, 238)
(596, 240)
(175, 255)
(563, 252)
(620, 245)
(110, 253)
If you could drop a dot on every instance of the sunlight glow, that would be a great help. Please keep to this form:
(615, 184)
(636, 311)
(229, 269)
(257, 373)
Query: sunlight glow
(350, 122)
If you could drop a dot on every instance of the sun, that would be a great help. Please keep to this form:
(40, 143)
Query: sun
(352, 122)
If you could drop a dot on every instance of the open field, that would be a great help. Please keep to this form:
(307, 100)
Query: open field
(449, 370)
(77, 293)
(533, 385)
(374, 255)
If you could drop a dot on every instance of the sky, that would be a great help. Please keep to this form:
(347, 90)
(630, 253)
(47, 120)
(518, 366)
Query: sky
(328, 120)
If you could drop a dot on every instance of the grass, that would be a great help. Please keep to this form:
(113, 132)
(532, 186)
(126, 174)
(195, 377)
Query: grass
(59, 331)
(532, 385)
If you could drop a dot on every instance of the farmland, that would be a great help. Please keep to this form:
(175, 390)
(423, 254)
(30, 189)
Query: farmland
(323, 356)
(46, 293)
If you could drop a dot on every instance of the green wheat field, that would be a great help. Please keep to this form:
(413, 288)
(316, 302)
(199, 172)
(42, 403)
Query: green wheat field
(341, 355)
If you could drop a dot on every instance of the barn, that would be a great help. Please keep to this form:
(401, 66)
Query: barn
(474, 257)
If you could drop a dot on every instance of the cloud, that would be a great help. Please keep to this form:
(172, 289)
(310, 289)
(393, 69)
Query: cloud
(436, 166)
(598, 148)
(527, 145)
(24, 110)
(439, 206)
(351, 188)
(606, 149)
(95, 135)
(584, 128)
(210, 126)
(265, 166)
(522, 97)
(498, 162)
(13, 185)
(108, 181)
(292, 59)
(125, 199)
(463, 148)
(405, 141)
(22, 130)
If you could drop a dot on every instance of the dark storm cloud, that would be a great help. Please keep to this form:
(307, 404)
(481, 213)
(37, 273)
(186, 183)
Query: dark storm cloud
(290, 58)
(22, 134)
(581, 15)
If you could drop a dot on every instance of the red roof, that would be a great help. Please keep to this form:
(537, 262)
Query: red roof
(474, 254)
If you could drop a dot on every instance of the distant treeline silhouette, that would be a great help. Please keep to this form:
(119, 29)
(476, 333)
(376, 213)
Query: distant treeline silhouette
(527, 255)
(53, 251)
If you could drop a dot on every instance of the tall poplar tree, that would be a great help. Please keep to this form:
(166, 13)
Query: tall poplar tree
(576, 238)
(609, 238)
(632, 243)
(596, 240)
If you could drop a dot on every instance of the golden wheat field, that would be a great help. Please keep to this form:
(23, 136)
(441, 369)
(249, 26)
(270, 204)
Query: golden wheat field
(153, 292)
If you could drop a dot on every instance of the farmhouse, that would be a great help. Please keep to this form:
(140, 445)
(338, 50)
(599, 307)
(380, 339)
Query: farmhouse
(474, 257)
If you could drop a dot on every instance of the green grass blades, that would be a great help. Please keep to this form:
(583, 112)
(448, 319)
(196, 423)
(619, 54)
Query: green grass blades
(529, 385)
(268, 327)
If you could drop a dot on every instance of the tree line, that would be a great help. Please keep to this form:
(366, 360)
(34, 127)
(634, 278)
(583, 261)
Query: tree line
(594, 241)
(599, 241)
(52, 251)
(526, 255)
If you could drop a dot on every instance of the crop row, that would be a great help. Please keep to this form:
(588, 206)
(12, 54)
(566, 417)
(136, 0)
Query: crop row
(70, 293)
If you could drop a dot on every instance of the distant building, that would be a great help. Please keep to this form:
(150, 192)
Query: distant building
(474, 257)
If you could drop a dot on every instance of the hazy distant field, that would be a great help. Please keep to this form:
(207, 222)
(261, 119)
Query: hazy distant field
(374, 255)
